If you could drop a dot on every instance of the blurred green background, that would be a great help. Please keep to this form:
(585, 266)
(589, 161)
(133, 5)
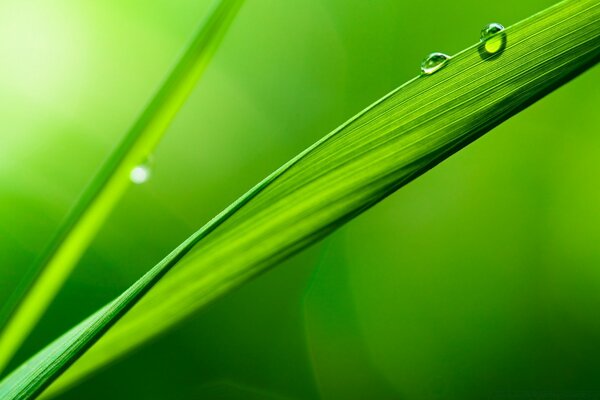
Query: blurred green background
(479, 280)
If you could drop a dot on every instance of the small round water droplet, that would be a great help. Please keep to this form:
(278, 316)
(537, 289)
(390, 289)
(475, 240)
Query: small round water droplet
(493, 40)
(434, 62)
(140, 174)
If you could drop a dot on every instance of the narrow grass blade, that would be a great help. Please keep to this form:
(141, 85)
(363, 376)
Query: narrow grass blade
(112, 181)
(393, 141)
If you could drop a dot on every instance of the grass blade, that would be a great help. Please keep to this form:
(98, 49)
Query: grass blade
(393, 141)
(111, 182)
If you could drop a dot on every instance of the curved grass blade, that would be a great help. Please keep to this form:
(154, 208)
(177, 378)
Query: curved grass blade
(112, 181)
(393, 141)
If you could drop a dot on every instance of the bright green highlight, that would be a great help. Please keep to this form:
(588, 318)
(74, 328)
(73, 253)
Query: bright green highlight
(113, 179)
(493, 45)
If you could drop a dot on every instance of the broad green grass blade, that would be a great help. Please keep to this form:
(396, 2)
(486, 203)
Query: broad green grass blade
(393, 141)
(112, 181)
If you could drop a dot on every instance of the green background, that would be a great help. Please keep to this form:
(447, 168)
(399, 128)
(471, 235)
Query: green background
(480, 280)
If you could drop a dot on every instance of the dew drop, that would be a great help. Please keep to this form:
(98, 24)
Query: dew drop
(493, 40)
(433, 63)
(140, 174)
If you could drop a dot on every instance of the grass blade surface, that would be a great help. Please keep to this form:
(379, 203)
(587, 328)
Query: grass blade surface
(111, 182)
(393, 141)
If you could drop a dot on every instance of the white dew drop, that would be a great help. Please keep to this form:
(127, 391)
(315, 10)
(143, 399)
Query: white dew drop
(140, 174)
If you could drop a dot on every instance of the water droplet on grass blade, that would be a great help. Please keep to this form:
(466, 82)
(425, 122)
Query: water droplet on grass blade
(493, 41)
(140, 174)
(434, 62)
(490, 30)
